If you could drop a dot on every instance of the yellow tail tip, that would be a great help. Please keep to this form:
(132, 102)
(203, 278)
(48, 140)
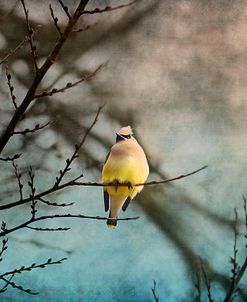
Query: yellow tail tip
(111, 226)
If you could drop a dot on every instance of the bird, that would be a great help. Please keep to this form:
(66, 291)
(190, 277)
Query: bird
(125, 163)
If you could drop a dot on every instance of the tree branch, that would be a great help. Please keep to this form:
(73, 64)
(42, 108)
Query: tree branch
(27, 130)
(74, 182)
(39, 76)
(55, 20)
(65, 8)
(107, 9)
(18, 155)
(11, 87)
(30, 39)
(150, 183)
(68, 85)
(35, 219)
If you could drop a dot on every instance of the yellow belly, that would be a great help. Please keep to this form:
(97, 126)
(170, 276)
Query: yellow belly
(126, 170)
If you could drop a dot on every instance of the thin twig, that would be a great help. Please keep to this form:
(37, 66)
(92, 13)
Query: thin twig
(12, 52)
(55, 20)
(30, 39)
(32, 195)
(68, 85)
(207, 282)
(107, 9)
(48, 229)
(44, 193)
(54, 204)
(35, 219)
(77, 148)
(65, 8)
(11, 87)
(18, 177)
(156, 299)
(87, 27)
(27, 130)
(16, 286)
(198, 286)
(4, 288)
(18, 155)
(3, 248)
(27, 269)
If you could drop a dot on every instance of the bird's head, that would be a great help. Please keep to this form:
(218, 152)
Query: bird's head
(124, 134)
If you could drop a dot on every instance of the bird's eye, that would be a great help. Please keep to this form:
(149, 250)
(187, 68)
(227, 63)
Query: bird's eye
(128, 136)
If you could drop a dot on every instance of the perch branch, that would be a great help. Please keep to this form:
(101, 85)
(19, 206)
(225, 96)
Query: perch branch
(112, 184)
(74, 182)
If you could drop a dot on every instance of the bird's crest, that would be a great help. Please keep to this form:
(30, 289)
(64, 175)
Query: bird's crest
(126, 131)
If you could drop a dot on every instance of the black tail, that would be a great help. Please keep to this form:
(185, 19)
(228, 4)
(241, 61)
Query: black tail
(111, 222)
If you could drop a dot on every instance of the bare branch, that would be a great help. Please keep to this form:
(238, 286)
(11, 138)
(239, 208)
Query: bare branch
(48, 229)
(74, 182)
(55, 20)
(38, 196)
(18, 177)
(35, 219)
(4, 288)
(54, 204)
(32, 195)
(36, 128)
(77, 148)
(82, 29)
(26, 269)
(65, 8)
(113, 184)
(30, 37)
(107, 9)
(7, 133)
(207, 282)
(18, 155)
(156, 299)
(3, 248)
(11, 87)
(14, 285)
(18, 47)
(68, 85)
(237, 270)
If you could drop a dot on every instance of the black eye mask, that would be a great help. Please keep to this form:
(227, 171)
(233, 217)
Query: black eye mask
(122, 137)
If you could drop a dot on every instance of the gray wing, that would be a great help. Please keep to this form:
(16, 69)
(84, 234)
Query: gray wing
(106, 195)
(106, 200)
(126, 204)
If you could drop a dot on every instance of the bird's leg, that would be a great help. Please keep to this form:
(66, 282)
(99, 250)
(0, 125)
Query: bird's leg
(116, 181)
(130, 186)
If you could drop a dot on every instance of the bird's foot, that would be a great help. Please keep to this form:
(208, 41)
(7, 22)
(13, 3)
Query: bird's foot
(116, 181)
(130, 186)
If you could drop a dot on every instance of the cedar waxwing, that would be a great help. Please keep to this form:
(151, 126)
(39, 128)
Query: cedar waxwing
(125, 163)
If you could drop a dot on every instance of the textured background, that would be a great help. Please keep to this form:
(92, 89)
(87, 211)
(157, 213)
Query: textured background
(176, 71)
